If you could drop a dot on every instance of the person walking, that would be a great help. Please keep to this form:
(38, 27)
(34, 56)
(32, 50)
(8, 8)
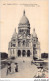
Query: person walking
(8, 68)
(13, 67)
(16, 68)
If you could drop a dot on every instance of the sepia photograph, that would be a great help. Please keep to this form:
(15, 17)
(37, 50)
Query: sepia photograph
(24, 39)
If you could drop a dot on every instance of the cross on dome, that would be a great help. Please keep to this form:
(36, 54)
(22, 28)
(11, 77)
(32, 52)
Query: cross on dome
(24, 12)
(15, 29)
(34, 34)
(24, 20)
(34, 29)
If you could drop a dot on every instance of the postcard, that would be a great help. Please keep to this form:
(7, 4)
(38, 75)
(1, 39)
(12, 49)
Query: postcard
(24, 38)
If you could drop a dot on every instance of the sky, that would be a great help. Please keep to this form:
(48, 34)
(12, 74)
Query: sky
(12, 11)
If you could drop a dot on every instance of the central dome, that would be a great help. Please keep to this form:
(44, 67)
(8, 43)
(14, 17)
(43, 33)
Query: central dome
(24, 20)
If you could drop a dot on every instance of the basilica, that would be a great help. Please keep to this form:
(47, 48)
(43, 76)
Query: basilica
(24, 44)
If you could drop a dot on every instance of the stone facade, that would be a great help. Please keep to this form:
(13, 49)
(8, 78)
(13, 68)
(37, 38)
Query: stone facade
(24, 44)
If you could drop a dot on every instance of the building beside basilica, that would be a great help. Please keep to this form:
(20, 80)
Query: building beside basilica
(24, 44)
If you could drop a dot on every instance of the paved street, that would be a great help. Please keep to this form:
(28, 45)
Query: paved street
(25, 69)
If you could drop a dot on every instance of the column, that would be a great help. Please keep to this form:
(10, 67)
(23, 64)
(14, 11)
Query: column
(9, 52)
(26, 53)
(21, 53)
(31, 53)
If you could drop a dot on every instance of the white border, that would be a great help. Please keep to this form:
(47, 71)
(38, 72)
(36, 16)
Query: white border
(28, 79)
(24, 79)
(48, 38)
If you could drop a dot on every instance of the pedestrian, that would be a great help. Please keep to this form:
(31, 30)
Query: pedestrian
(8, 68)
(13, 67)
(16, 68)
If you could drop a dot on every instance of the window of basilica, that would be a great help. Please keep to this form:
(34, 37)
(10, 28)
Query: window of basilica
(20, 30)
(24, 43)
(27, 31)
(13, 45)
(34, 52)
(14, 40)
(19, 43)
(27, 43)
(34, 45)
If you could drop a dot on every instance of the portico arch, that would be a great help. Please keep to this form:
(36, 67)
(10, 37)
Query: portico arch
(28, 53)
(19, 53)
(23, 52)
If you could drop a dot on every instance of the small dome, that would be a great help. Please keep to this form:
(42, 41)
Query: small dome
(14, 34)
(24, 20)
(34, 34)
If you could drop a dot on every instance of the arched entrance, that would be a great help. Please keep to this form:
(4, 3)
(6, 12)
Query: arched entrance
(28, 53)
(23, 52)
(19, 53)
